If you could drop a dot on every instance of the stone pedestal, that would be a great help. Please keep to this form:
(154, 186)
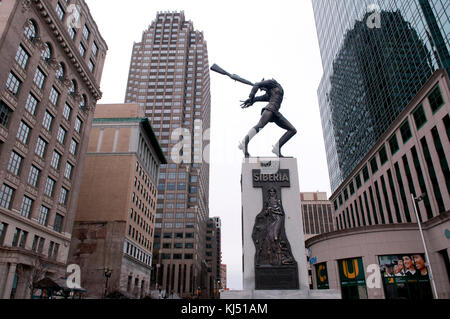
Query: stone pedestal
(274, 259)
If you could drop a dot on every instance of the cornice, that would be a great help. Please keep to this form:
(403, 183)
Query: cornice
(67, 44)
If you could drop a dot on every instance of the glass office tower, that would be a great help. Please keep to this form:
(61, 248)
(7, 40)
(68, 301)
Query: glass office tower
(376, 55)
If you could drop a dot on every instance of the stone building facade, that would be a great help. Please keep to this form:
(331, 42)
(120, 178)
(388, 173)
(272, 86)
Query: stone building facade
(115, 223)
(51, 62)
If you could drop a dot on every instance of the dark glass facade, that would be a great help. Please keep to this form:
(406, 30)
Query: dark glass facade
(376, 55)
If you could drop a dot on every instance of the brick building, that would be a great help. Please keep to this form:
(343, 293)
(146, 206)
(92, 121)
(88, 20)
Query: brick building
(51, 63)
(115, 222)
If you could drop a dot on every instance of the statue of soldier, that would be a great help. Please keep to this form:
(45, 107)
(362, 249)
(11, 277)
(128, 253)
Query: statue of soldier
(270, 113)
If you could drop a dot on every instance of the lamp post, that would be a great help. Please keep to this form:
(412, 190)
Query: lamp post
(107, 276)
(428, 265)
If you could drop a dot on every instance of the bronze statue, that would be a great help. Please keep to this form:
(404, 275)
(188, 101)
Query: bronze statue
(270, 113)
(272, 246)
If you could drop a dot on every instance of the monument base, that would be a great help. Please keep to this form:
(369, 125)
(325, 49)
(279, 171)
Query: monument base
(276, 278)
(281, 294)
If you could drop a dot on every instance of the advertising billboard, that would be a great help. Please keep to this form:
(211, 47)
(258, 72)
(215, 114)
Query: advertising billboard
(322, 276)
(405, 276)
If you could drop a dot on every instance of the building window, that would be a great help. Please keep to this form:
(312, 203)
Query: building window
(63, 196)
(61, 135)
(5, 114)
(383, 155)
(25, 209)
(72, 32)
(33, 178)
(86, 32)
(78, 124)
(94, 49)
(31, 104)
(39, 78)
(67, 111)
(83, 102)
(60, 12)
(365, 172)
(3, 227)
(419, 116)
(393, 144)
(435, 99)
(73, 88)
(30, 31)
(38, 244)
(46, 52)
(53, 250)
(73, 147)
(22, 57)
(49, 187)
(405, 131)
(432, 174)
(6, 196)
(47, 121)
(43, 214)
(13, 84)
(54, 96)
(55, 160)
(60, 72)
(374, 165)
(23, 132)
(41, 147)
(15, 160)
(91, 66)
(68, 171)
(23, 239)
(82, 50)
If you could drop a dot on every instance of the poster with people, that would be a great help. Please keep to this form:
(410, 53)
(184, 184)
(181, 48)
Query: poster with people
(405, 276)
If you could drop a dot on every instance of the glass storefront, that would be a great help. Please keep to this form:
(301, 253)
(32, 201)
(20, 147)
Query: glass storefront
(322, 276)
(352, 280)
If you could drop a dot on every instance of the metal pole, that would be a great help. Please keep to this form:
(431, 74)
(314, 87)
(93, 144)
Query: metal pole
(424, 245)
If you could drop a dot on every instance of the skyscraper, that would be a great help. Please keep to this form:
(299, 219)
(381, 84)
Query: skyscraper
(169, 75)
(376, 55)
(52, 60)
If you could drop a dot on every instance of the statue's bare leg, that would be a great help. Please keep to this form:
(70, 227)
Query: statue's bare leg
(265, 118)
(282, 122)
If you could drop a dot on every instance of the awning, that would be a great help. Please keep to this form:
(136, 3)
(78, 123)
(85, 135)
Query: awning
(57, 285)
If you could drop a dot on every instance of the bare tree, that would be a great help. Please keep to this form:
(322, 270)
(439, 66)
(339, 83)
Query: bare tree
(31, 277)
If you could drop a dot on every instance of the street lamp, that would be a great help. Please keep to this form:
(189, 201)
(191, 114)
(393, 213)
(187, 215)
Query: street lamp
(415, 201)
(107, 276)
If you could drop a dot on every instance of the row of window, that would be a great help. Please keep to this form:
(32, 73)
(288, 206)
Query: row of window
(22, 58)
(138, 253)
(75, 16)
(386, 186)
(176, 256)
(436, 101)
(20, 239)
(169, 225)
(176, 215)
(167, 235)
(26, 208)
(139, 237)
(175, 245)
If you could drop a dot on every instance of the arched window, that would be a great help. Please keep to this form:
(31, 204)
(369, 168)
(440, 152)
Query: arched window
(73, 88)
(61, 71)
(46, 52)
(31, 30)
(83, 102)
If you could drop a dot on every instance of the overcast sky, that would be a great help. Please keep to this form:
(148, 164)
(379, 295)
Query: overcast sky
(255, 39)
